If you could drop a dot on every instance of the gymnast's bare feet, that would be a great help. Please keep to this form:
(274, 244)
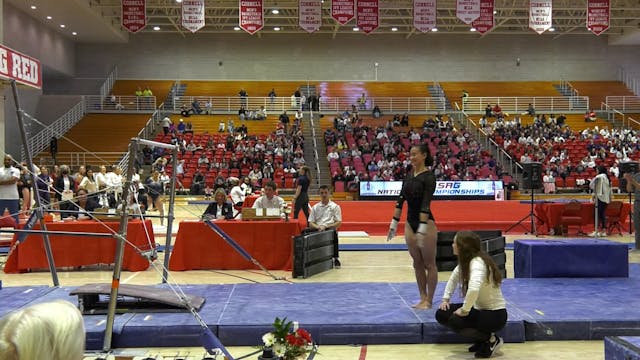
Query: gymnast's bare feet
(424, 304)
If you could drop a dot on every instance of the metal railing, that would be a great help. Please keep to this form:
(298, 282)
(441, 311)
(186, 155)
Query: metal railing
(147, 132)
(520, 104)
(112, 103)
(315, 147)
(631, 79)
(612, 115)
(632, 123)
(106, 87)
(78, 158)
(40, 141)
(567, 87)
(624, 103)
(231, 104)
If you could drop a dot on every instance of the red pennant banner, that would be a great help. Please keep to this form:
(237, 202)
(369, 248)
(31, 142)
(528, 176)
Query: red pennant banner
(598, 16)
(343, 11)
(424, 15)
(540, 15)
(467, 10)
(251, 16)
(134, 15)
(310, 15)
(368, 15)
(485, 22)
(21, 68)
(193, 15)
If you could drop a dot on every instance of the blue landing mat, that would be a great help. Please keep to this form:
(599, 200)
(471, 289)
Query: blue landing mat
(4, 249)
(622, 348)
(13, 298)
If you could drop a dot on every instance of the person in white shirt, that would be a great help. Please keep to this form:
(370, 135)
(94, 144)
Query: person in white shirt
(237, 193)
(9, 197)
(483, 311)
(327, 215)
(602, 195)
(269, 200)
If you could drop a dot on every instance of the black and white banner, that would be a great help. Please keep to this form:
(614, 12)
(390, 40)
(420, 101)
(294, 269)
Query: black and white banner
(540, 15)
(193, 15)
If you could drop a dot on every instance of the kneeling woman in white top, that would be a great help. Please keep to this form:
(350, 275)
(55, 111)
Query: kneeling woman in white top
(483, 311)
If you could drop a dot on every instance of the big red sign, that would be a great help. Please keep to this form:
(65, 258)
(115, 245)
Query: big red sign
(485, 22)
(598, 15)
(134, 15)
(343, 11)
(368, 16)
(251, 16)
(19, 67)
(424, 15)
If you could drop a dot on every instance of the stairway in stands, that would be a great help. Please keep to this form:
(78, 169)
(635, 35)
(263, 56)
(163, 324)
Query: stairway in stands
(436, 91)
(177, 89)
(569, 92)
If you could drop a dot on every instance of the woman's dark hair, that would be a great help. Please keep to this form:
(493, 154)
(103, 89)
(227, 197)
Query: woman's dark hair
(307, 172)
(424, 148)
(469, 247)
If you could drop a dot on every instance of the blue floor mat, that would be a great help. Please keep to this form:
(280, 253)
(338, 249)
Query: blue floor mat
(12, 298)
(622, 348)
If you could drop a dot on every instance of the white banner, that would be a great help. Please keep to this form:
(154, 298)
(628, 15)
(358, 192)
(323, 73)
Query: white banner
(310, 15)
(467, 10)
(251, 16)
(443, 188)
(193, 15)
(424, 15)
(598, 16)
(540, 19)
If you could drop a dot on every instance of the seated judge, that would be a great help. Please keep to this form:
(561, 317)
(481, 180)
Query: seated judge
(81, 207)
(220, 208)
(269, 200)
(326, 215)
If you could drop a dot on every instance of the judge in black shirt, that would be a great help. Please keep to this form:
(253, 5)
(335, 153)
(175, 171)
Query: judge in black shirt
(221, 208)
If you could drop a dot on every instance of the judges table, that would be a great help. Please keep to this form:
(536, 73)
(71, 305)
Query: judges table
(72, 251)
(198, 247)
(549, 214)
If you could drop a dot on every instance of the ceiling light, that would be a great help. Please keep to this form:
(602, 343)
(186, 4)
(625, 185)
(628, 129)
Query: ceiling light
(156, 28)
(33, 7)
(495, 12)
(275, 11)
(434, 29)
(49, 18)
(356, 29)
(472, 29)
(394, 29)
(552, 29)
(236, 28)
(74, 33)
(178, 1)
(277, 28)
(63, 26)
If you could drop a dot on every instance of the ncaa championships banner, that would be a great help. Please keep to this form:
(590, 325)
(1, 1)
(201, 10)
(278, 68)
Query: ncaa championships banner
(343, 11)
(424, 15)
(21, 68)
(485, 22)
(467, 10)
(251, 16)
(451, 189)
(368, 15)
(310, 15)
(540, 15)
(134, 15)
(598, 15)
(193, 15)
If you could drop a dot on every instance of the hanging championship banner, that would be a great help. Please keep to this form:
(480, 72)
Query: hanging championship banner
(134, 15)
(310, 15)
(485, 22)
(467, 10)
(343, 11)
(193, 15)
(424, 15)
(540, 15)
(598, 16)
(21, 68)
(251, 16)
(368, 17)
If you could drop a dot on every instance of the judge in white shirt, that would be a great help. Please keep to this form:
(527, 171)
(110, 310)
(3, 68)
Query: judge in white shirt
(269, 200)
(483, 311)
(327, 215)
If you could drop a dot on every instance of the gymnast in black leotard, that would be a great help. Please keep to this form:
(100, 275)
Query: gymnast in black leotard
(420, 230)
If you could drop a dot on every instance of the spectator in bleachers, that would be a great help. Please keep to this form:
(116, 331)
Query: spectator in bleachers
(195, 106)
(166, 123)
(530, 110)
(284, 120)
(242, 113)
(497, 111)
(243, 97)
(208, 107)
(376, 112)
(404, 121)
(614, 170)
(181, 127)
(549, 183)
(590, 116)
(488, 111)
(272, 96)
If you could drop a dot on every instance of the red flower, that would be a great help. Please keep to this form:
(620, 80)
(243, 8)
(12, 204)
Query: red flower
(304, 334)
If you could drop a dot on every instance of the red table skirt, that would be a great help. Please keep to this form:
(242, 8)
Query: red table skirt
(269, 242)
(549, 214)
(71, 251)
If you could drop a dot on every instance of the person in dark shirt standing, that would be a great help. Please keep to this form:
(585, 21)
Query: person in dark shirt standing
(301, 198)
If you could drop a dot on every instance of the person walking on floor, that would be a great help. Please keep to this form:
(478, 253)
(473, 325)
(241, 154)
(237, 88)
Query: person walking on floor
(602, 194)
(301, 197)
(420, 231)
(483, 311)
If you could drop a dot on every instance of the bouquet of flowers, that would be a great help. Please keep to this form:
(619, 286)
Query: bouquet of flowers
(286, 341)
